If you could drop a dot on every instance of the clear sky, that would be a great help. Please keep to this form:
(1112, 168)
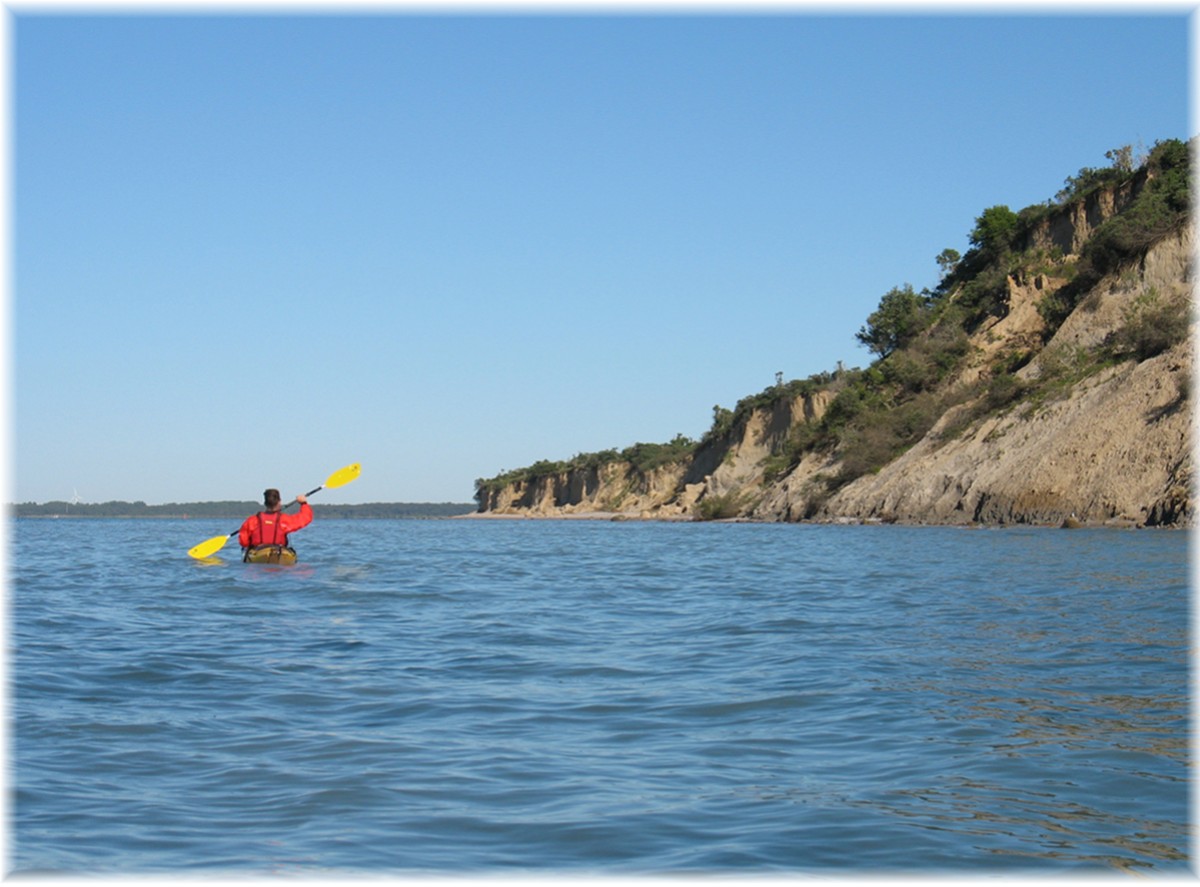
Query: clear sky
(250, 249)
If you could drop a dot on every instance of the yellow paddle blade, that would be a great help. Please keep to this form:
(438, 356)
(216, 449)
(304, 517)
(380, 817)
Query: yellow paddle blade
(209, 547)
(343, 476)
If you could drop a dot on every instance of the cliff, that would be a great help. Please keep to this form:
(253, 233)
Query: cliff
(1049, 382)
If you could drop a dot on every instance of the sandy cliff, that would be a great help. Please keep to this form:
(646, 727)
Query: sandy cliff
(1115, 448)
(1109, 446)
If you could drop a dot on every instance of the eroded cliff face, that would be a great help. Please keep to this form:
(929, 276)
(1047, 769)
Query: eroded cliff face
(1115, 451)
(616, 487)
(732, 463)
(1113, 448)
(1070, 228)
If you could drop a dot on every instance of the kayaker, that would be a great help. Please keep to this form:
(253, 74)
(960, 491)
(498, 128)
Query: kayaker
(264, 536)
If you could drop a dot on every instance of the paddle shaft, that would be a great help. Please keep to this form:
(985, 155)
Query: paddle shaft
(306, 495)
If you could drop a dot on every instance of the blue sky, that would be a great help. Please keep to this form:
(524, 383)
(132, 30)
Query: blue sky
(250, 249)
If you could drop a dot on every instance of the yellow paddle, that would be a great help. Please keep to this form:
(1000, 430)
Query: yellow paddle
(339, 478)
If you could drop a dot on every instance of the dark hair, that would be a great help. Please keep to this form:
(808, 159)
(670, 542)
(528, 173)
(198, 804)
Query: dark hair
(271, 498)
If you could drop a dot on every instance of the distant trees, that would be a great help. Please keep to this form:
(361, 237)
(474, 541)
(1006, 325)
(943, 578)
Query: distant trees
(116, 508)
(231, 510)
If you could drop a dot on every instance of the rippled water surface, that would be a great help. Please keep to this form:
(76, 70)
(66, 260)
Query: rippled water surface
(502, 696)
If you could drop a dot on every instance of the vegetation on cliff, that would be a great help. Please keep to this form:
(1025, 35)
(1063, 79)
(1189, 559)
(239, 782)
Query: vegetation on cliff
(643, 457)
(899, 398)
(922, 341)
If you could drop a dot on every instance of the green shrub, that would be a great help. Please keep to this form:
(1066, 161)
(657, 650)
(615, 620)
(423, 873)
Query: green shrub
(646, 457)
(995, 231)
(1163, 205)
(863, 395)
(721, 507)
(911, 370)
(1152, 325)
(775, 467)
(1055, 307)
(1003, 390)
(901, 315)
(803, 438)
(985, 295)
(725, 420)
(880, 436)
(722, 423)
(1087, 180)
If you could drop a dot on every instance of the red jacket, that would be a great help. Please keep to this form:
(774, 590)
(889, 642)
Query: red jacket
(272, 527)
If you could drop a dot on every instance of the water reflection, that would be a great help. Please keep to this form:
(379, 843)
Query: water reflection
(1033, 695)
(1033, 825)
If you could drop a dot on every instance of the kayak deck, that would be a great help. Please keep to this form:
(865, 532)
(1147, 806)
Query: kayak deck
(270, 554)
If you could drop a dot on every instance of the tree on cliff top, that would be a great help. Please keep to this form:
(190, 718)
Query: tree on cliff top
(994, 232)
(901, 315)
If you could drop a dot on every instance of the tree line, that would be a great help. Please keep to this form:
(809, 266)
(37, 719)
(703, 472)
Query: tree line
(235, 510)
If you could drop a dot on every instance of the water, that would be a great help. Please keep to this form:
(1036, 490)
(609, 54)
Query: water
(464, 697)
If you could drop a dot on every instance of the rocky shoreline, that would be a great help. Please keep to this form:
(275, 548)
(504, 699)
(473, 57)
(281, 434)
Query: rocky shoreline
(1070, 523)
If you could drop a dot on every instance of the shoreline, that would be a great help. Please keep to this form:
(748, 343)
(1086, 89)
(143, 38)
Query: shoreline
(637, 517)
(574, 515)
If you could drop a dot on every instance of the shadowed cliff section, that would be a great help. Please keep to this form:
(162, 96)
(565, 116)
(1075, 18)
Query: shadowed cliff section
(1045, 380)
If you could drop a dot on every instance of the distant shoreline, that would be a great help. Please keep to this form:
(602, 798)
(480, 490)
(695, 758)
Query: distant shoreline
(229, 510)
(226, 517)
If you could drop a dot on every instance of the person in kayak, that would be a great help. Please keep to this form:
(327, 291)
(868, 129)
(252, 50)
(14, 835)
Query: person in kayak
(264, 536)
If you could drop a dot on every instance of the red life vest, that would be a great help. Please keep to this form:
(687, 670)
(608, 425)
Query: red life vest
(272, 527)
(268, 529)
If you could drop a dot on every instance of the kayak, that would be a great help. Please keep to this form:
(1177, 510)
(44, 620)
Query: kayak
(270, 554)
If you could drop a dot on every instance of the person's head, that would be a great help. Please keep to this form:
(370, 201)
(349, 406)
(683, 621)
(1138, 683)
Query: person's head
(271, 500)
